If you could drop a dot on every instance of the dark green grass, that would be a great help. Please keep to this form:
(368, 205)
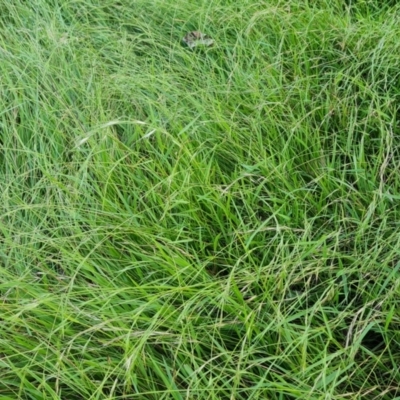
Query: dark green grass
(214, 224)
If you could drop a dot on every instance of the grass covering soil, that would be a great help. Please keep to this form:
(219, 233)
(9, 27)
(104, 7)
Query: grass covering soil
(221, 223)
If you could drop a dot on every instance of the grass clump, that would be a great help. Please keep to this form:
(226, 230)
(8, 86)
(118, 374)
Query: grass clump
(215, 224)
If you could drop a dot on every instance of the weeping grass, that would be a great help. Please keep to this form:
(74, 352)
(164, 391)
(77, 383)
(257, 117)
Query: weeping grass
(212, 224)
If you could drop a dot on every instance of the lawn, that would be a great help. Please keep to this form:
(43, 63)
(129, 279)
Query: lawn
(217, 223)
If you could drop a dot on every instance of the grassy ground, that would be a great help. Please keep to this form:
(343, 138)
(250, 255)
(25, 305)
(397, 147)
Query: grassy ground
(215, 224)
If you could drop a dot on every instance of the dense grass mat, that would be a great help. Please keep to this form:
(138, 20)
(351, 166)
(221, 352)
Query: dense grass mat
(209, 223)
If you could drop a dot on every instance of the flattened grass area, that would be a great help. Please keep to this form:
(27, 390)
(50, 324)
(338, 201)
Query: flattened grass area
(212, 224)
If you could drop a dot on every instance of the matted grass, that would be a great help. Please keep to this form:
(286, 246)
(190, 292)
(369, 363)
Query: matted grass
(214, 224)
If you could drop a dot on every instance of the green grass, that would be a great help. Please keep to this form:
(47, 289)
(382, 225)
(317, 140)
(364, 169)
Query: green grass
(214, 224)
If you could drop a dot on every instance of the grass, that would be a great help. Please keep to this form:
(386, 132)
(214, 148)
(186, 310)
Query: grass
(213, 224)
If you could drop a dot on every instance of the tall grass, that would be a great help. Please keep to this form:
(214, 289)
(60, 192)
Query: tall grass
(214, 224)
